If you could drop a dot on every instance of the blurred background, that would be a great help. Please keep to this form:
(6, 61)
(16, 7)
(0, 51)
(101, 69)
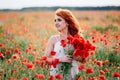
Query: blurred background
(26, 26)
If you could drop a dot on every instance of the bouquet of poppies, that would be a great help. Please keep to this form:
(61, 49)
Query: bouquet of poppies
(76, 46)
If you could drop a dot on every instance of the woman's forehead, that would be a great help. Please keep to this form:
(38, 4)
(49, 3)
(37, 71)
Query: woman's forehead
(56, 16)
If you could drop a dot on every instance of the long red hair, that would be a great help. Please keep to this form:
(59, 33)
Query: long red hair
(67, 15)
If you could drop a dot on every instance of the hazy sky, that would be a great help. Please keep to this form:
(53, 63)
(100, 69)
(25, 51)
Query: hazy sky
(18, 4)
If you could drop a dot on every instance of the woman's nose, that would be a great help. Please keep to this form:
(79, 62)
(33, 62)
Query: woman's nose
(56, 23)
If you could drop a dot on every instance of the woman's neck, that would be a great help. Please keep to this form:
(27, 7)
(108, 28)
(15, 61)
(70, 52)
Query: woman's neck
(63, 35)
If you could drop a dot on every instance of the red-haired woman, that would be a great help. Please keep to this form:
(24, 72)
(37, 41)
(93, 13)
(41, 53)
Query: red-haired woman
(66, 24)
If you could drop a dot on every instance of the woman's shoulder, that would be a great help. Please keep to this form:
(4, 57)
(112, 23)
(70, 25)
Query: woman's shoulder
(53, 38)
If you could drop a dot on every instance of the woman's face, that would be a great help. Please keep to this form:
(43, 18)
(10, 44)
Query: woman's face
(60, 23)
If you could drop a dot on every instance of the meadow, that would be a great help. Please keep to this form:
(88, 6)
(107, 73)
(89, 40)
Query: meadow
(24, 35)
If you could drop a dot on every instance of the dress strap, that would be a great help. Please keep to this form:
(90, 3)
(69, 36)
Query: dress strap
(57, 38)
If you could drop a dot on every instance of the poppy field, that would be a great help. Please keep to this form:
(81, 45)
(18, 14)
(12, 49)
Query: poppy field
(24, 35)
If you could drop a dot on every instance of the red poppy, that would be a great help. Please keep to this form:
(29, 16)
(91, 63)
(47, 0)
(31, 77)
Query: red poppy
(40, 76)
(9, 61)
(81, 66)
(30, 65)
(17, 51)
(78, 43)
(7, 52)
(116, 74)
(101, 72)
(51, 77)
(102, 77)
(106, 70)
(55, 62)
(63, 43)
(1, 45)
(70, 38)
(82, 53)
(43, 58)
(15, 56)
(53, 53)
(10, 78)
(1, 55)
(99, 63)
(25, 78)
(89, 70)
(80, 78)
(58, 76)
(92, 78)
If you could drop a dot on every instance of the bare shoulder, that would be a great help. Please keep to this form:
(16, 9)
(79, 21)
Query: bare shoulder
(52, 39)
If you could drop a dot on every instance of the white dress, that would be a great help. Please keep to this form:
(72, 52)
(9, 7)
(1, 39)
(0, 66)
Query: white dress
(60, 53)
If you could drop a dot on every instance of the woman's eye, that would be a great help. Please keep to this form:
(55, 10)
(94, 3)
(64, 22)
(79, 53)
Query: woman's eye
(55, 20)
(59, 20)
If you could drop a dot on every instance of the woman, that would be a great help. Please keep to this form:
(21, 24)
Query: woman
(66, 24)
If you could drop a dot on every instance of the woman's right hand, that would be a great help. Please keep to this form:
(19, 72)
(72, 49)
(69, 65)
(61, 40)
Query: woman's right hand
(65, 58)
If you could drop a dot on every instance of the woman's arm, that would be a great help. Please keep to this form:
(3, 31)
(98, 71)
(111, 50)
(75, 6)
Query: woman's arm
(49, 48)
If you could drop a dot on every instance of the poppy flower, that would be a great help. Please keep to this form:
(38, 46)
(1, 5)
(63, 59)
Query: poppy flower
(30, 65)
(81, 66)
(116, 74)
(102, 77)
(40, 76)
(58, 76)
(55, 62)
(89, 70)
(53, 53)
(63, 43)
(101, 72)
(25, 78)
(51, 77)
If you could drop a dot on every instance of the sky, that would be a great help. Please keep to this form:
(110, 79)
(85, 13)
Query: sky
(18, 4)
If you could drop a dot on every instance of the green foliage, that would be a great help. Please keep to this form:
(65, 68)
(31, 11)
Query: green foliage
(114, 58)
(103, 29)
(1, 30)
(111, 17)
(22, 42)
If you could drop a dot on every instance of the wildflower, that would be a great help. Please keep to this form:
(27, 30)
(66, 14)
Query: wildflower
(58, 76)
(89, 70)
(101, 72)
(15, 56)
(17, 51)
(1, 45)
(53, 53)
(92, 78)
(63, 43)
(102, 77)
(30, 65)
(10, 78)
(25, 78)
(105, 62)
(80, 78)
(7, 52)
(43, 58)
(55, 62)
(40, 76)
(99, 63)
(9, 61)
(1, 55)
(116, 74)
(81, 66)
(106, 70)
(51, 77)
